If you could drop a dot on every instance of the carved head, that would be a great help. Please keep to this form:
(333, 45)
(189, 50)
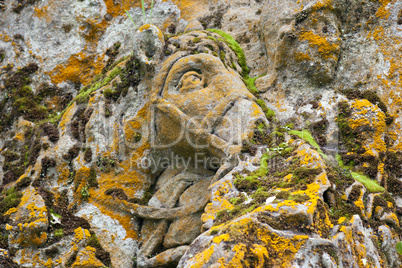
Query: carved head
(302, 38)
(201, 103)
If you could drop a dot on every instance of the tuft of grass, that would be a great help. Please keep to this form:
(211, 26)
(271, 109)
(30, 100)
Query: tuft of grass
(144, 17)
(371, 185)
(131, 18)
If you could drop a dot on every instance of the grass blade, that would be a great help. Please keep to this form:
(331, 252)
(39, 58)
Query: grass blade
(128, 14)
(143, 12)
(152, 8)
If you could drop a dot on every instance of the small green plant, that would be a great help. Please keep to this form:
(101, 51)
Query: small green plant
(85, 192)
(58, 233)
(371, 185)
(399, 247)
(144, 17)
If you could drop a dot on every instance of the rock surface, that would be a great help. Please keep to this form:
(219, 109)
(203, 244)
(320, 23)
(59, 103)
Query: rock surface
(200, 133)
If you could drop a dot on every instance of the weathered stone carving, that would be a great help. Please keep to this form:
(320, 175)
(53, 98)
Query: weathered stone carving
(201, 111)
(77, 190)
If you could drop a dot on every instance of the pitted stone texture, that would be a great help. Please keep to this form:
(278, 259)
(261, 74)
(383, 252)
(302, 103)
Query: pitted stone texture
(64, 250)
(29, 221)
(111, 235)
(355, 245)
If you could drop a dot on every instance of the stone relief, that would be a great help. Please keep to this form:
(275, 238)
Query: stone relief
(178, 155)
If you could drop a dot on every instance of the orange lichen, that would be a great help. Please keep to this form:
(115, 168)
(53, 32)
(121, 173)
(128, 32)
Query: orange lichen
(302, 56)
(191, 9)
(382, 11)
(119, 9)
(79, 68)
(43, 13)
(323, 4)
(363, 117)
(325, 49)
(203, 257)
(87, 258)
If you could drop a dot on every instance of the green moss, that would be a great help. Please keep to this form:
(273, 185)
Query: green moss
(58, 233)
(306, 135)
(116, 71)
(94, 242)
(24, 182)
(371, 185)
(137, 136)
(31, 110)
(52, 252)
(212, 38)
(229, 40)
(399, 247)
(10, 191)
(250, 83)
(12, 199)
(222, 57)
(235, 47)
(299, 198)
(109, 93)
(196, 40)
(269, 113)
(92, 182)
(260, 195)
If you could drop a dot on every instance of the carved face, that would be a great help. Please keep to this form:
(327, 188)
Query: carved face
(304, 43)
(203, 105)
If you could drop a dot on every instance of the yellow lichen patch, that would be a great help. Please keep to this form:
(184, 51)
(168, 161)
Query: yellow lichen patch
(325, 48)
(261, 253)
(66, 118)
(146, 27)
(202, 258)
(123, 218)
(31, 229)
(382, 11)
(300, 56)
(10, 211)
(322, 4)
(341, 220)
(271, 250)
(64, 173)
(191, 9)
(238, 259)
(87, 258)
(280, 249)
(81, 234)
(43, 13)
(359, 203)
(219, 202)
(363, 116)
(356, 246)
(80, 68)
(92, 30)
(211, 210)
(219, 239)
(119, 9)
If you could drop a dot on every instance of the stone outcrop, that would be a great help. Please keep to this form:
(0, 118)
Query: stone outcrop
(200, 133)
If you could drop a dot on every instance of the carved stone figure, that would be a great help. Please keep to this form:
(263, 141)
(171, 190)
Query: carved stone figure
(201, 112)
